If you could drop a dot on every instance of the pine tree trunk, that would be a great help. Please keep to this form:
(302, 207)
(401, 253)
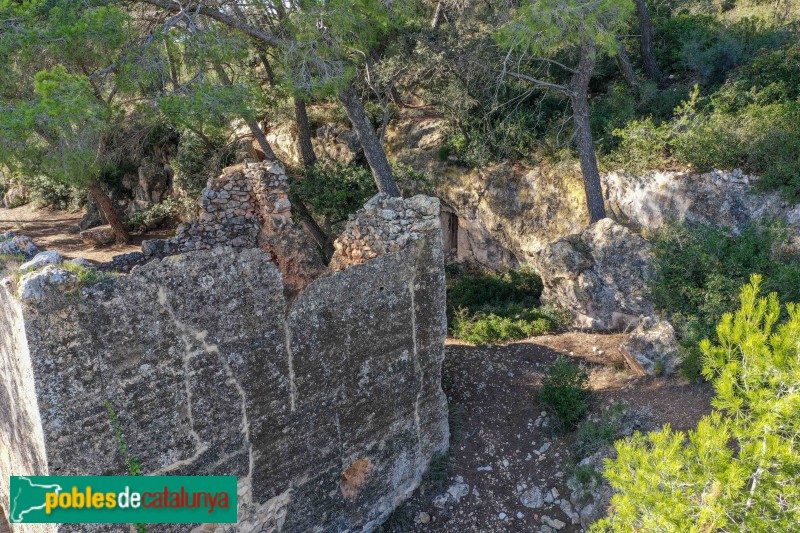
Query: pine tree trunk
(437, 16)
(626, 67)
(304, 133)
(646, 41)
(255, 129)
(583, 134)
(109, 213)
(373, 150)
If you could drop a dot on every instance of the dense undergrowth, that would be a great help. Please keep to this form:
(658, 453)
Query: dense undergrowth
(484, 307)
(699, 272)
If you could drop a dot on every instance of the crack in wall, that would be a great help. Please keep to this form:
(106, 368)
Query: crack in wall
(290, 362)
(415, 354)
(190, 336)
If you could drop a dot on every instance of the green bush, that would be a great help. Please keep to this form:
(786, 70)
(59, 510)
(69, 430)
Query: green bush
(593, 435)
(564, 392)
(487, 307)
(738, 470)
(475, 291)
(170, 209)
(699, 269)
(503, 324)
(334, 190)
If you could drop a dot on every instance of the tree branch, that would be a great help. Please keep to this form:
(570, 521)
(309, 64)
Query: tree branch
(541, 83)
(219, 16)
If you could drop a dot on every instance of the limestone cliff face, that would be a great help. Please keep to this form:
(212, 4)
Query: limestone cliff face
(328, 407)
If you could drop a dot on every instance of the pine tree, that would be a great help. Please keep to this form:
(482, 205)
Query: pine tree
(738, 470)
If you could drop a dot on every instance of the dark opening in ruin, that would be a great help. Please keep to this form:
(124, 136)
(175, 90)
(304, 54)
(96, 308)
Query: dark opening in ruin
(449, 232)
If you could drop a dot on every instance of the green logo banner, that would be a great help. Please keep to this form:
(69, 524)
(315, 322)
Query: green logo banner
(123, 499)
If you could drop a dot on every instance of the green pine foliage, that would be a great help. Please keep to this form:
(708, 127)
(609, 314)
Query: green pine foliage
(737, 471)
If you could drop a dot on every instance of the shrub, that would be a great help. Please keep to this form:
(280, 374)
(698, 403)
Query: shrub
(502, 324)
(488, 307)
(699, 269)
(738, 470)
(334, 190)
(87, 275)
(476, 291)
(154, 216)
(564, 391)
(593, 435)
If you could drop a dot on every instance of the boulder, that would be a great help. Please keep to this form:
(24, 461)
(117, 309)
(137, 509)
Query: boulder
(33, 284)
(42, 259)
(599, 275)
(654, 346)
(15, 196)
(99, 236)
(11, 244)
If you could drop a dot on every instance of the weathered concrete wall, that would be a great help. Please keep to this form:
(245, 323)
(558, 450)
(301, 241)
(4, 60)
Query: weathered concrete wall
(22, 449)
(328, 408)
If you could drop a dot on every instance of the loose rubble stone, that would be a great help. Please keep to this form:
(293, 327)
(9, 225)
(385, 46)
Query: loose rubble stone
(80, 261)
(532, 498)
(99, 236)
(654, 346)
(11, 244)
(42, 259)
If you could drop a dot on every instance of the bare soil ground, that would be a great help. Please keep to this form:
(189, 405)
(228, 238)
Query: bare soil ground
(493, 392)
(58, 230)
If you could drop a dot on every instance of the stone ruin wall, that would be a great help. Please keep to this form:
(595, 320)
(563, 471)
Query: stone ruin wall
(325, 402)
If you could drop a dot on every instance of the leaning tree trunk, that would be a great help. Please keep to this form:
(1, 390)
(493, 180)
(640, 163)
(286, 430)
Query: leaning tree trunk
(258, 134)
(373, 149)
(309, 159)
(109, 213)
(646, 41)
(626, 67)
(579, 89)
(437, 16)
(304, 133)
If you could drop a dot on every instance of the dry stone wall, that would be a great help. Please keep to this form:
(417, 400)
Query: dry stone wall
(248, 206)
(386, 224)
(327, 406)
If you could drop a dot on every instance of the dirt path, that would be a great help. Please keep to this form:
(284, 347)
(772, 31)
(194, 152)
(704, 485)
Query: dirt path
(495, 417)
(58, 230)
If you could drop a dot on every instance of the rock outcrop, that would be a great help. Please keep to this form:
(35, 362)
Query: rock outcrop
(600, 275)
(723, 198)
(328, 407)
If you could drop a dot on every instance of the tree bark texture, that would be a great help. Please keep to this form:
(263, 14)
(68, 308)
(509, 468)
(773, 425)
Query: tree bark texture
(109, 213)
(579, 89)
(304, 133)
(373, 150)
(646, 41)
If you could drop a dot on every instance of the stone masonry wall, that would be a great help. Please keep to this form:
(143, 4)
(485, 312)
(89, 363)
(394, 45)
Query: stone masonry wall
(245, 207)
(328, 407)
(384, 225)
